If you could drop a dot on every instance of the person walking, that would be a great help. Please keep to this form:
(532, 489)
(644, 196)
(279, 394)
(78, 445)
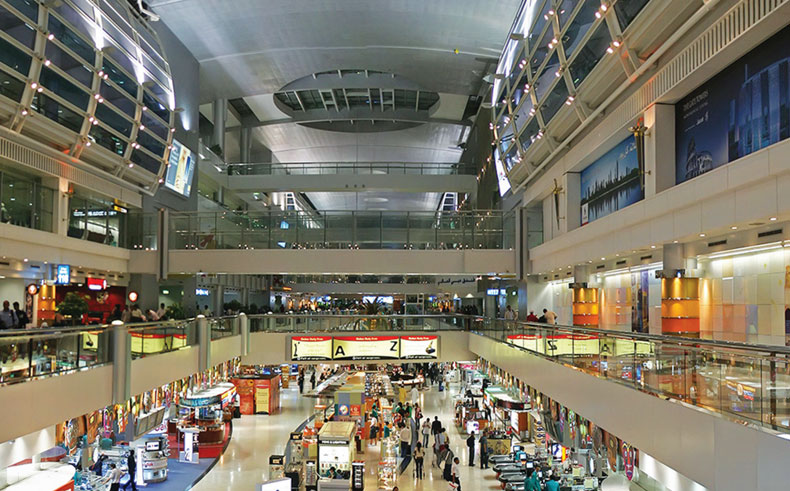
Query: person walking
(405, 441)
(426, 431)
(551, 316)
(470, 442)
(312, 380)
(419, 456)
(131, 465)
(114, 478)
(436, 427)
(456, 476)
(531, 482)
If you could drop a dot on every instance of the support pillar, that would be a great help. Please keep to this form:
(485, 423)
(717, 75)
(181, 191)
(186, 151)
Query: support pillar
(245, 145)
(147, 288)
(189, 299)
(204, 343)
(60, 205)
(659, 148)
(523, 306)
(220, 107)
(244, 329)
(570, 206)
(219, 301)
(121, 363)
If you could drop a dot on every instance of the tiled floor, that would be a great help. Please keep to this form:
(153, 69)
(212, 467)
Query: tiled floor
(246, 460)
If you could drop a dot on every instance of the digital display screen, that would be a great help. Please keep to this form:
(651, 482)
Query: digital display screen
(180, 169)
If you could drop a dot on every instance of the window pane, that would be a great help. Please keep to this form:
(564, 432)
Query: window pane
(117, 99)
(76, 19)
(114, 120)
(14, 57)
(17, 28)
(120, 78)
(71, 40)
(107, 140)
(11, 87)
(28, 8)
(157, 107)
(590, 54)
(529, 135)
(627, 10)
(565, 10)
(57, 112)
(69, 64)
(64, 88)
(554, 101)
(154, 126)
(547, 76)
(146, 161)
(579, 27)
(542, 51)
(151, 144)
(540, 23)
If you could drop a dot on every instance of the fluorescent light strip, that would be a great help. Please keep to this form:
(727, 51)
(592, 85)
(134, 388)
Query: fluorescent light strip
(744, 250)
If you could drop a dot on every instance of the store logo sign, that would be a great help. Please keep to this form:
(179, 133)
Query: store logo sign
(63, 275)
(201, 292)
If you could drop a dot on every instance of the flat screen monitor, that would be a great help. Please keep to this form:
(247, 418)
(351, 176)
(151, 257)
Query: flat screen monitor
(277, 485)
(180, 169)
(152, 446)
(530, 465)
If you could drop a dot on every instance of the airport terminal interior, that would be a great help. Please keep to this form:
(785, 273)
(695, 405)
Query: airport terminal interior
(394, 245)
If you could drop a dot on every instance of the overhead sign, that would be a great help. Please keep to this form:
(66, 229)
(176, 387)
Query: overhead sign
(311, 348)
(96, 283)
(419, 347)
(366, 348)
(63, 275)
(202, 292)
(492, 292)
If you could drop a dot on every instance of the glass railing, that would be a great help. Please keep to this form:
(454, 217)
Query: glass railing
(359, 168)
(276, 229)
(223, 327)
(332, 323)
(162, 337)
(742, 381)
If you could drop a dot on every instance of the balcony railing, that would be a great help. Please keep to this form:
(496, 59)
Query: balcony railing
(332, 323)
(744, 382)
(276, 229)
(353, 168)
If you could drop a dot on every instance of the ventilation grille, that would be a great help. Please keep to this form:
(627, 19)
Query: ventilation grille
(717, 243)
(620, 263)
(645, 258)
(770, 233)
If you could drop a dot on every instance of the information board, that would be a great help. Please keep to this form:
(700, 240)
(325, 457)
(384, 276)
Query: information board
(311, 348)
(419, 347)
(366, 348)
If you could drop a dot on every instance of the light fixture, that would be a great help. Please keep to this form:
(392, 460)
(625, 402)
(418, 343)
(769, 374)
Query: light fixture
(702, 235)
(597, 14)
(24, 112)
(51, 36)
(603, 259)
(652, 247)
(603, 7)
(733, 228)
(47, 62)
(674, 242)
(616, 43)
(610, 50)
(34, 86)
(773, 219)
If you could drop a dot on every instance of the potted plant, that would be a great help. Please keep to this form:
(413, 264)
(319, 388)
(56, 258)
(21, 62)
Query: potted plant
(176, 312)
(73, 305)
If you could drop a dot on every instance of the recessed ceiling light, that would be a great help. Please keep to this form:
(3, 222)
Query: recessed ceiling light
(702, 235)
(773, 219)
(733, 228)
(674, 242)
(652, 247)
(603, 259)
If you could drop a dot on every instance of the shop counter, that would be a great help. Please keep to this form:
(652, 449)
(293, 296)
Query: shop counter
(47, 476)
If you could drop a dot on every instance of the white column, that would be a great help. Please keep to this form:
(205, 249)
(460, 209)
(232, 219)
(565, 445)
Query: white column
(659, 148)
(220, 107)
(204, 343)
(570, 202)
(121, 363)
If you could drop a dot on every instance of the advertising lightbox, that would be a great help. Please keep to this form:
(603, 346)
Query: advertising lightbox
(366, 348)
(419, 347)
(311, 348)
(180, 169)
(611, 183)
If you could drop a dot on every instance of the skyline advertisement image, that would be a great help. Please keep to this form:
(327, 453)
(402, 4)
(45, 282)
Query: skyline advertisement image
(611, 183)
(742, 109)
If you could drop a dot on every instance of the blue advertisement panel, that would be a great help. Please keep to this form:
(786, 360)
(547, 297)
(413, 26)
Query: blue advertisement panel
(612, 182)
(744, 108)
(180, 169)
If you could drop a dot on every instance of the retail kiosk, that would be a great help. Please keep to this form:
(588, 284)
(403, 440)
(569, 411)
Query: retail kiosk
(336, 446)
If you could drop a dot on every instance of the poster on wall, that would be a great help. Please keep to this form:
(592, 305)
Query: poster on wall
(180, 169)
(742, 109)
(311, 348)
(611, 183)
(366, 348)
(419, 347)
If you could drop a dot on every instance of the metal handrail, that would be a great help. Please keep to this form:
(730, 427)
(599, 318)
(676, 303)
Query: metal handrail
(318, 168)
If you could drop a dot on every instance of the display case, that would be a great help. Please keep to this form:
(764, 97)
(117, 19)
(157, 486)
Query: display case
(336, 446)
(388, 462)
(152, 456)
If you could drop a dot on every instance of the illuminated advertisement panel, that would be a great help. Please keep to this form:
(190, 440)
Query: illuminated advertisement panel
(419, 347)
(366, 348)
(311, 348)
(180, 169)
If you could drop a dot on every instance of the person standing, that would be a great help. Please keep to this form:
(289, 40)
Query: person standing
(419, 456)
(426, 431)
(456, 477)
(510, 316)
(312, 380)
(8, 318)
(21, 317)
(554, 483)
(532, 317)
(114, 478)
(483, 451)
(161, 312)
(531, 482)
(436, 427)
(300, 381)
(470, 442)
(551, 316)
(126, 315)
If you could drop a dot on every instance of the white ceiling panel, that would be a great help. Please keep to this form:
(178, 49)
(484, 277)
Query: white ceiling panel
(378, 201)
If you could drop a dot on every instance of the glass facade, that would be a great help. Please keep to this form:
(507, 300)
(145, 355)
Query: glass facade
(554, 45)
(59, 52)
(25, 202)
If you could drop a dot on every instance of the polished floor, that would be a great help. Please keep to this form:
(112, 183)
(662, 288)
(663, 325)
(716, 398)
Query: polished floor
(245, 463)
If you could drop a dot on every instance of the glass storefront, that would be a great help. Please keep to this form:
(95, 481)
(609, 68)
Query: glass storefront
(25, 202)
(96, 221)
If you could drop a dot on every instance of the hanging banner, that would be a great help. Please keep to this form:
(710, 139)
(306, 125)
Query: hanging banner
(419, 347)
(366, 348)
(311, 348)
